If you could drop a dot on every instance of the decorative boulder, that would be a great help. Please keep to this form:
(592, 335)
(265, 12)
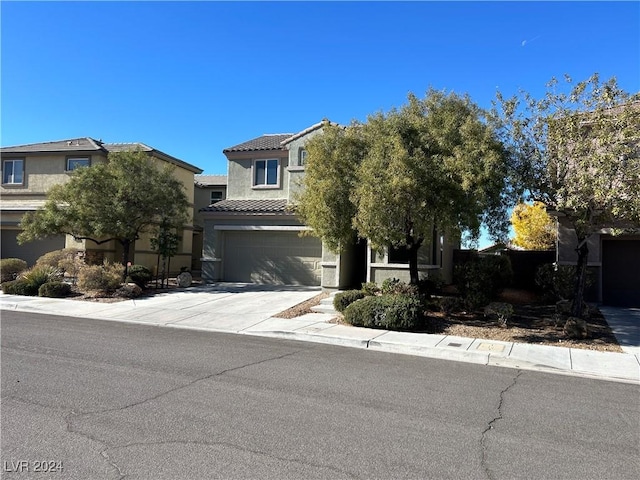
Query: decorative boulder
(184, 280)
(576, 328)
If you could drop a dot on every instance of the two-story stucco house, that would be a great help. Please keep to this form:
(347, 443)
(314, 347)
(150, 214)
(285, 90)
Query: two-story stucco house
(29, 171)
(254, 236)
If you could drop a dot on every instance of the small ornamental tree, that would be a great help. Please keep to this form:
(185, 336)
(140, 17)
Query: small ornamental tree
(117, 200)
(165, 242)
(534, 228)
(578, 152)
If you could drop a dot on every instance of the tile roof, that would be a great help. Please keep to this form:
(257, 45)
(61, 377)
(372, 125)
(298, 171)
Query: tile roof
(206, 180)
(265, 142)
(308, 130)
(248, 206)
(87, 144)
(69, 145)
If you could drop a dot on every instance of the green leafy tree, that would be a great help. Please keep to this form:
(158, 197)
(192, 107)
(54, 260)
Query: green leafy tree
(577, 149)
(325, 202)
(116, 200)
(534, 228)
(434, 163)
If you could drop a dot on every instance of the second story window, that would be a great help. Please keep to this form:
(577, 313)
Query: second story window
(302, 157)
(77, 162)
(265, 173)
(13, 172)
(216, 196)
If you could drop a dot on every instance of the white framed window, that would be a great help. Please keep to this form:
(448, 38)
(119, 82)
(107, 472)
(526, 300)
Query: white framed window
(216, 196)
(77, 162)
(13, 171)
(266, 173)
(302, 157)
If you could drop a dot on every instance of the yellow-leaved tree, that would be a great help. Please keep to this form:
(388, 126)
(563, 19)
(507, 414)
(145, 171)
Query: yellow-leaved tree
(533, 226)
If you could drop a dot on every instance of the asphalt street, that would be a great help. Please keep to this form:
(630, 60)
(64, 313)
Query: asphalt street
(89, 399)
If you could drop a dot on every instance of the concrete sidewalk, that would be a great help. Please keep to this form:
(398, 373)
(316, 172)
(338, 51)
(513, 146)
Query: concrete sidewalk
(250, 312)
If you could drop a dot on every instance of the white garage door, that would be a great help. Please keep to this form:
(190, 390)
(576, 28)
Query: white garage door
(281, 258)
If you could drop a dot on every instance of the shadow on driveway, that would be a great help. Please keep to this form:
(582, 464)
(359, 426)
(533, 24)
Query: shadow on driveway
(625, 324)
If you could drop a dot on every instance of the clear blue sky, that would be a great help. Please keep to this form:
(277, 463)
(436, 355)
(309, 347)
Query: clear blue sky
(191, 78)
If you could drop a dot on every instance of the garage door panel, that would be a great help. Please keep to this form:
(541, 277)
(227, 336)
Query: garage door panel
(621, 273)
(281, 258)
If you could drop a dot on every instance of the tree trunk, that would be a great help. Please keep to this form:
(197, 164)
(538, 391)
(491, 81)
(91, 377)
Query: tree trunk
(413, 262)
(581, 277)
(126, 248)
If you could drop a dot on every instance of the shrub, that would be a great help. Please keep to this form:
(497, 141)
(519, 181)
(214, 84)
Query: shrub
(37, 276)
(54, 258)
(481, 278)
(393, 312)
(370, 288)
(393, 286)
(67, 260)
(128, 290)
(140, 275)
(502, 311)
(18, 287)
(558, 281)
(100, 278)
(10, 268)
(431, 284)
(449, 305)
(343, 299)
(54, 290)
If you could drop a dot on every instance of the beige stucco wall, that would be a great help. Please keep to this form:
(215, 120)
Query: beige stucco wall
(240, 185)
(202, 199)
(42, 171)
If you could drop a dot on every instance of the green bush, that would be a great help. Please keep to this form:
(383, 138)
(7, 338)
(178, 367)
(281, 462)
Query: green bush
(558, 281)
(481, 278)
(370, 288)
(19, 287)
(100, 278)
(343, 299)
(37, 276)
(393, 286)
(392, 312)
(54, 290)
(432, 284)
(10, 268)
(140, 275)
(449, 305)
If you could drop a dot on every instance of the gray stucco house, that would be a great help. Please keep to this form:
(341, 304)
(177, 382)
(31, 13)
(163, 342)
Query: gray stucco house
(613, 259)
(254, 236)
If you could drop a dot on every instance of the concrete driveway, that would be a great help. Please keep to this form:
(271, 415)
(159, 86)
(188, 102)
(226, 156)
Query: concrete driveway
(625, 324)
(229, 307)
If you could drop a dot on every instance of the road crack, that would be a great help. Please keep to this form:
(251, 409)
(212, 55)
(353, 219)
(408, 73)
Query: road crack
(240, 448)
(490, 425)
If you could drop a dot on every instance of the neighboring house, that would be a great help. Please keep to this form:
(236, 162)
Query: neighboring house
(209, 189)
(614, 261)
(254, 236)
(29, 171)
